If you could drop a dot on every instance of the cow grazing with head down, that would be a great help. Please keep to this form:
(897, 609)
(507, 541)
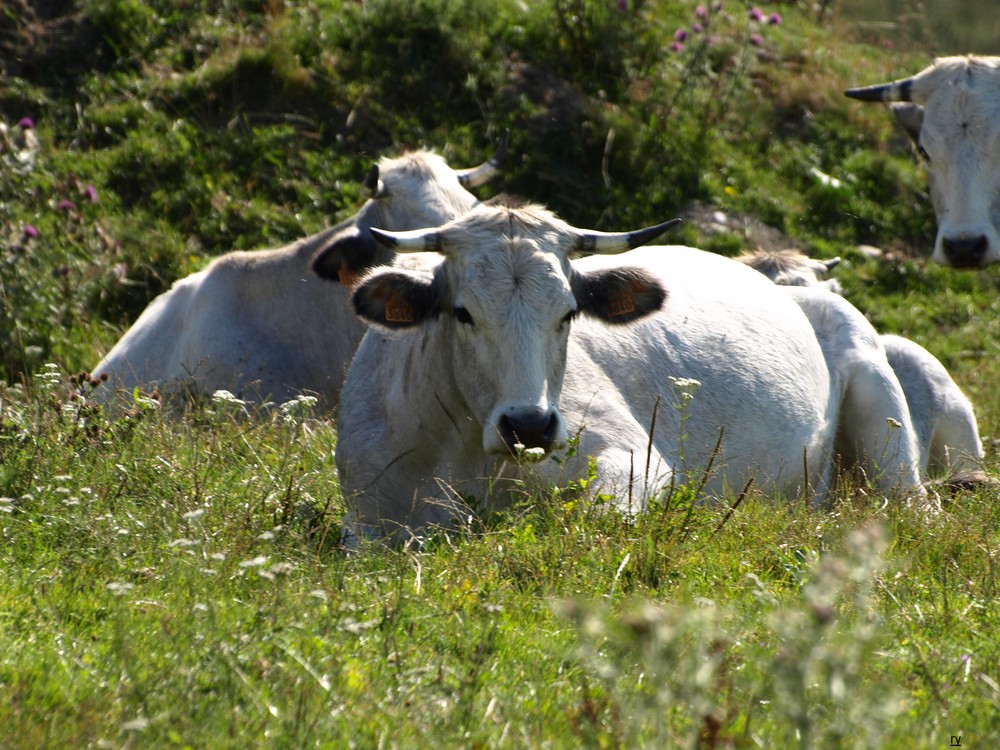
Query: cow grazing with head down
(951, 111)
(942, 415)
(241, 323)
(506, 347)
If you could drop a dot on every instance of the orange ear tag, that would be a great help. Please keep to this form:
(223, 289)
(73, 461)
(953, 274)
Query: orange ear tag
(347, 276)
(398, 311)
(621, 306)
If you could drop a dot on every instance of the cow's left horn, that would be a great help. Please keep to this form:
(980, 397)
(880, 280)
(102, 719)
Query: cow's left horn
(412, 241)
(611, 243)
(896, 91)
(476, 176)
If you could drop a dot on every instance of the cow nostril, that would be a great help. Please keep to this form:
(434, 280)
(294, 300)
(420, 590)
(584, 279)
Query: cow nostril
(531, 431)
(965, 251)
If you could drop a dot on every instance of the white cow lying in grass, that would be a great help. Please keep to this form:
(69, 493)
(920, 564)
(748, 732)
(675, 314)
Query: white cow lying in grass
(505, 342)
(262, 324)
(951, 110)
(943, 418)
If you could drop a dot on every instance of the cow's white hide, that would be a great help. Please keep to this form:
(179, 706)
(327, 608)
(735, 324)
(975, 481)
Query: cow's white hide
(413, 426)
(261, 324)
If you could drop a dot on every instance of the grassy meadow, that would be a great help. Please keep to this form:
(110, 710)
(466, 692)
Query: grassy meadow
(178, 583)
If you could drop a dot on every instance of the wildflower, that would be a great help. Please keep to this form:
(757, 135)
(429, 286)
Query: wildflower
(30, 232)
(676, 47)
(66, 205)
(756, 14)
(697, 28)
(223, 396)
(756, 40)
(680, 36)
(717, 6)
(701, 12)
(26, 123)
(622, 4)
(774, 19)
(91, 192)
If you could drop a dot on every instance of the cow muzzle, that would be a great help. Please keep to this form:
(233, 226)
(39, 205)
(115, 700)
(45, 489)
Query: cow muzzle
(530, 427)
(965, 251)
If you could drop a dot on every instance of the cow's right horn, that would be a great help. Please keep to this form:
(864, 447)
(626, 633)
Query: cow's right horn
(612, 243)
(412, 241)
(896, 91)
(476, 176)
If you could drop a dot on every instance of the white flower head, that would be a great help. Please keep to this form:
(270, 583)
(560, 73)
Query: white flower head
(685, 387)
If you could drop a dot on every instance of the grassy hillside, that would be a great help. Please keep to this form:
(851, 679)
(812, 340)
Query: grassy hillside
(179, 584)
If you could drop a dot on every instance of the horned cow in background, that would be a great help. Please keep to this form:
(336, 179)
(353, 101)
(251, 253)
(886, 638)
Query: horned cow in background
(951, 111)
(264, 324)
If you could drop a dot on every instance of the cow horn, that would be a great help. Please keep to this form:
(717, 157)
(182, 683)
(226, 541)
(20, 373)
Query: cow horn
(372, 186)
(831, 263)
(412, 241)
(896, 91)
(611, 243)
(476, 176)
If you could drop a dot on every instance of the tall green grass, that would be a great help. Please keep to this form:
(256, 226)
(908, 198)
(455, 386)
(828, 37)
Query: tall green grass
(178, 582)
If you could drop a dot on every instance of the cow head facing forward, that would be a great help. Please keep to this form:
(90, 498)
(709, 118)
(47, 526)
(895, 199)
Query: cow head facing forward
(500, 304)
(417, 189)
(951, 111)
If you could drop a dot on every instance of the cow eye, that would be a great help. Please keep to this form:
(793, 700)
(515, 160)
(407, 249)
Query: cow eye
(923, 154)
(567, 318)
(462, 316)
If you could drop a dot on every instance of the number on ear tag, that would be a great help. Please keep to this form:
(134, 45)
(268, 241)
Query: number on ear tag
(621, 306)
(398, 311)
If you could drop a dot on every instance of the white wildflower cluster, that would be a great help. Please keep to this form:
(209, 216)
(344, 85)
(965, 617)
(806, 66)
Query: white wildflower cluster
(529, 455)
(685, 388)
(225, 403)
(298, 408)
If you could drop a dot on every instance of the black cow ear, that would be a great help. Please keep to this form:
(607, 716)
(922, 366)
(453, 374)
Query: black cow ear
(347, 256)
(396, 299)
(618, 295)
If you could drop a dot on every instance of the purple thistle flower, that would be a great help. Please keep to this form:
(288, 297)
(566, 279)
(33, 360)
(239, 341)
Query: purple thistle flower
(26, 123)
(30, 232)
(717, 6)
(66, 205)
(680, 35)
(697, 28)
(774, 19)
(676, 47)
(91, 192)
(756, 14)
(701, 12)
(965, 658)
(756, 40)
(622, 4)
